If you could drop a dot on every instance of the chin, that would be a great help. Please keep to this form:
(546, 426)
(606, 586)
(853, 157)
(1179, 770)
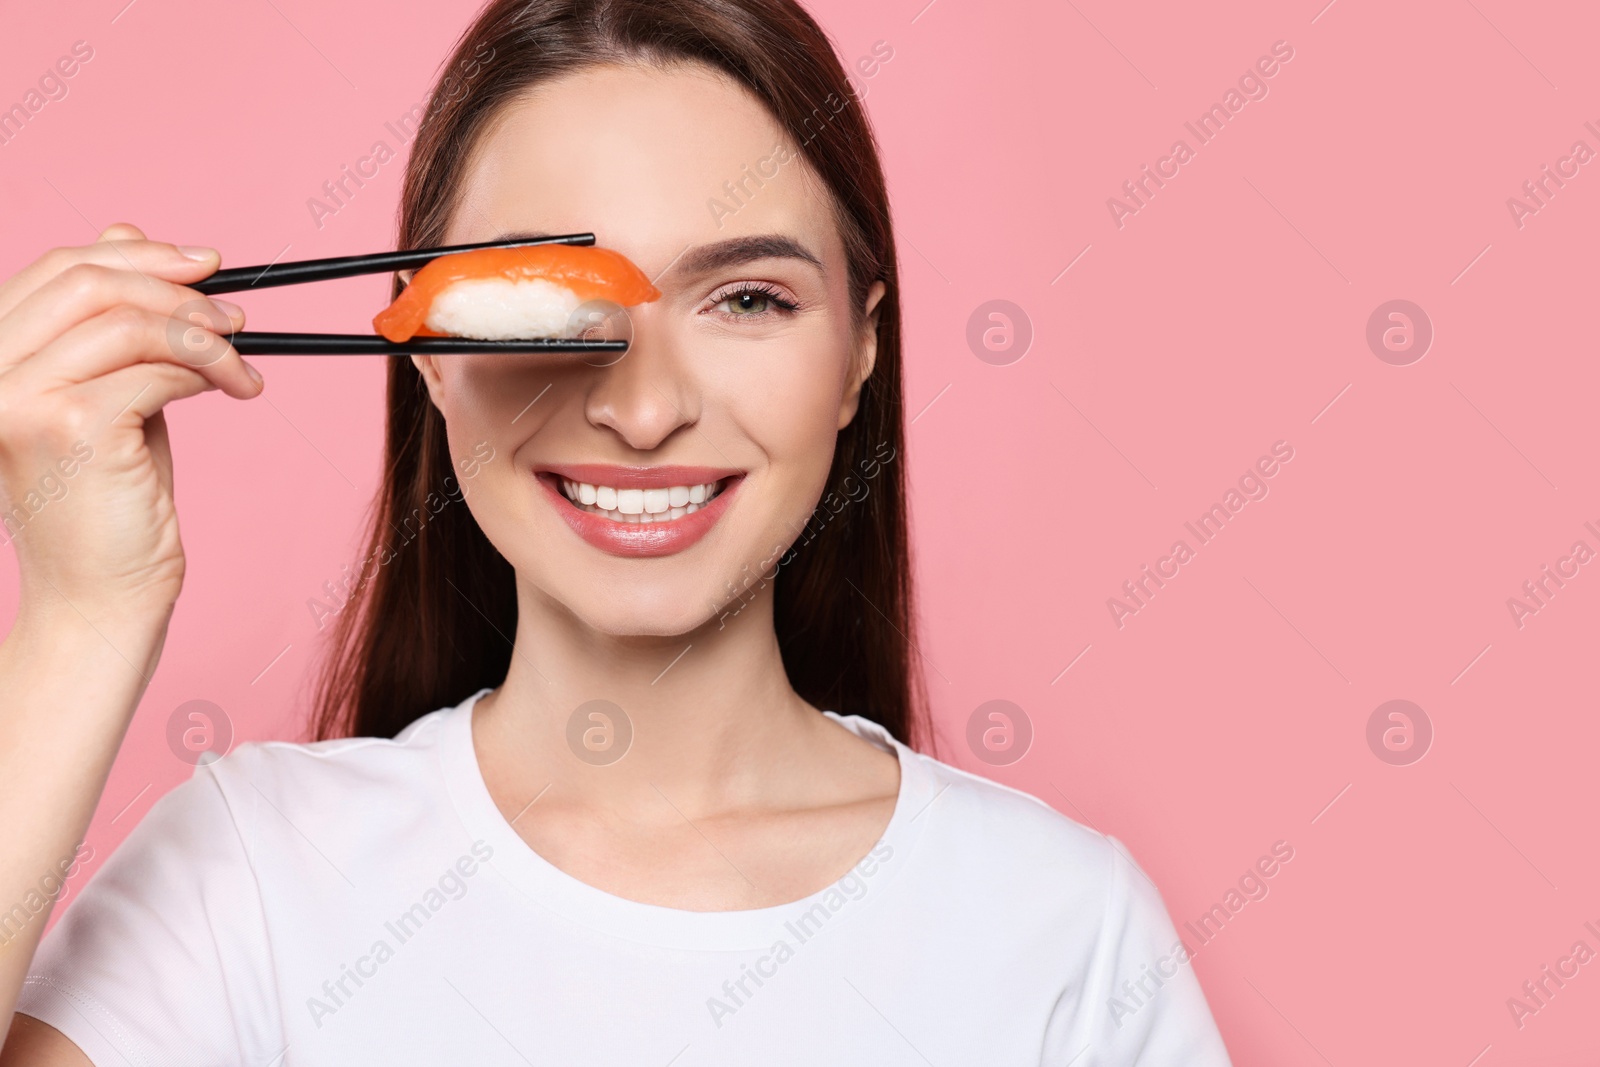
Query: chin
(632, 609)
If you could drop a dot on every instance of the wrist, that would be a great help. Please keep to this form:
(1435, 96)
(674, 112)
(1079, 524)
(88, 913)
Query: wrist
(55, 628)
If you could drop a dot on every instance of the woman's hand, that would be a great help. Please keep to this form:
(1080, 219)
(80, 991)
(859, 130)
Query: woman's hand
(94, 342)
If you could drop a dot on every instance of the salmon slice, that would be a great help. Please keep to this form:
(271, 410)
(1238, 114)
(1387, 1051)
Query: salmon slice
(590, 273)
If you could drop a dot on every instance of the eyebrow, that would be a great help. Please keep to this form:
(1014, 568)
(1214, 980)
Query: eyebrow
(737, 250)
(703, 259)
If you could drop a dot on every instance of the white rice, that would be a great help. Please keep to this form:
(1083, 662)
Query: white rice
(498, 309)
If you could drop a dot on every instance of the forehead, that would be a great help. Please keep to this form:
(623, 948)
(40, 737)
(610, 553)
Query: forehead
(650, 159)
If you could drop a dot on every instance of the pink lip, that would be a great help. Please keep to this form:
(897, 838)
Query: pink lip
(638, 539)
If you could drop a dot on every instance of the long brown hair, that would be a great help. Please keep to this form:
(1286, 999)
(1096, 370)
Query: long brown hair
(430, 617)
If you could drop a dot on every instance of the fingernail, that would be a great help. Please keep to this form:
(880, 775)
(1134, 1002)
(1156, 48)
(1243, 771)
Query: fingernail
(228, 308)
(255, 375)
(197, 251)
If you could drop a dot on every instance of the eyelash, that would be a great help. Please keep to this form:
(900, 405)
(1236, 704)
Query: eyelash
(780, 304)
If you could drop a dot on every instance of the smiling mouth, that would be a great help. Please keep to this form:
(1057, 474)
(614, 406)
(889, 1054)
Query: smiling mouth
(640, 506)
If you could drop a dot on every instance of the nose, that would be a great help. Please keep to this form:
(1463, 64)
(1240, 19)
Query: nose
(646, 396)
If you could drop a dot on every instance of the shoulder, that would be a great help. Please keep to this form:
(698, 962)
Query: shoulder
(1075, 912)
(173, 933)
(1001, 816)
(365, 763)
(994, 833)
(1013, 846)
(283, 791)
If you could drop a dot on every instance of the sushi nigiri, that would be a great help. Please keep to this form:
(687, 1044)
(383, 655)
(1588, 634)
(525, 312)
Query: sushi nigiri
(501, 294)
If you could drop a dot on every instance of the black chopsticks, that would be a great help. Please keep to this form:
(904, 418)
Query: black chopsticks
(253, 343)
(238, 279)
(250, 343)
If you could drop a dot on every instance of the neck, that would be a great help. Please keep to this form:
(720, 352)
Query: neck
(711, 713)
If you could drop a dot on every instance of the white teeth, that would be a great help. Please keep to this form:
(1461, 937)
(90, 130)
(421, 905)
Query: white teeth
(639, 505)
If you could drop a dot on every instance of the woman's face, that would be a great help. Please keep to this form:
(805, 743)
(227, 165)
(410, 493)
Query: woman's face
(747, 366)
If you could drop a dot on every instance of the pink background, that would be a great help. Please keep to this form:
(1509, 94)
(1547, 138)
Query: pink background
(1228, 313)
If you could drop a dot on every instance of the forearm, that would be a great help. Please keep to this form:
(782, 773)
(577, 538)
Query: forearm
(68, 689)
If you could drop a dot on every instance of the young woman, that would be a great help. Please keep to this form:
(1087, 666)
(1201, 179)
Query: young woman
(591, 787)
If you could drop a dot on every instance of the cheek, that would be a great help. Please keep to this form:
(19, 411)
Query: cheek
(786, 402)
(487, 397)
(788, 389)
(494, 406)
(488, 411)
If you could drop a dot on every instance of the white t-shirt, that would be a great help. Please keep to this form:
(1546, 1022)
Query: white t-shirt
(364, 901)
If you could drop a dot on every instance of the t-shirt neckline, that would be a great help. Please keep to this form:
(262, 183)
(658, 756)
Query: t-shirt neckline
(547, 885)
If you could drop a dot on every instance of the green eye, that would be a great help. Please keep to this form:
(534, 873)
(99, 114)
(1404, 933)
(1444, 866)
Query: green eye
(748, 303)
(752, 300)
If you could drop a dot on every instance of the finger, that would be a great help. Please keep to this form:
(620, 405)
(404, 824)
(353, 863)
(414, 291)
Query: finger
(147, 259)
(127, 335)
(122, 231)
(87, 289)
(136, 396)
(140, 395)
(101, 410)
